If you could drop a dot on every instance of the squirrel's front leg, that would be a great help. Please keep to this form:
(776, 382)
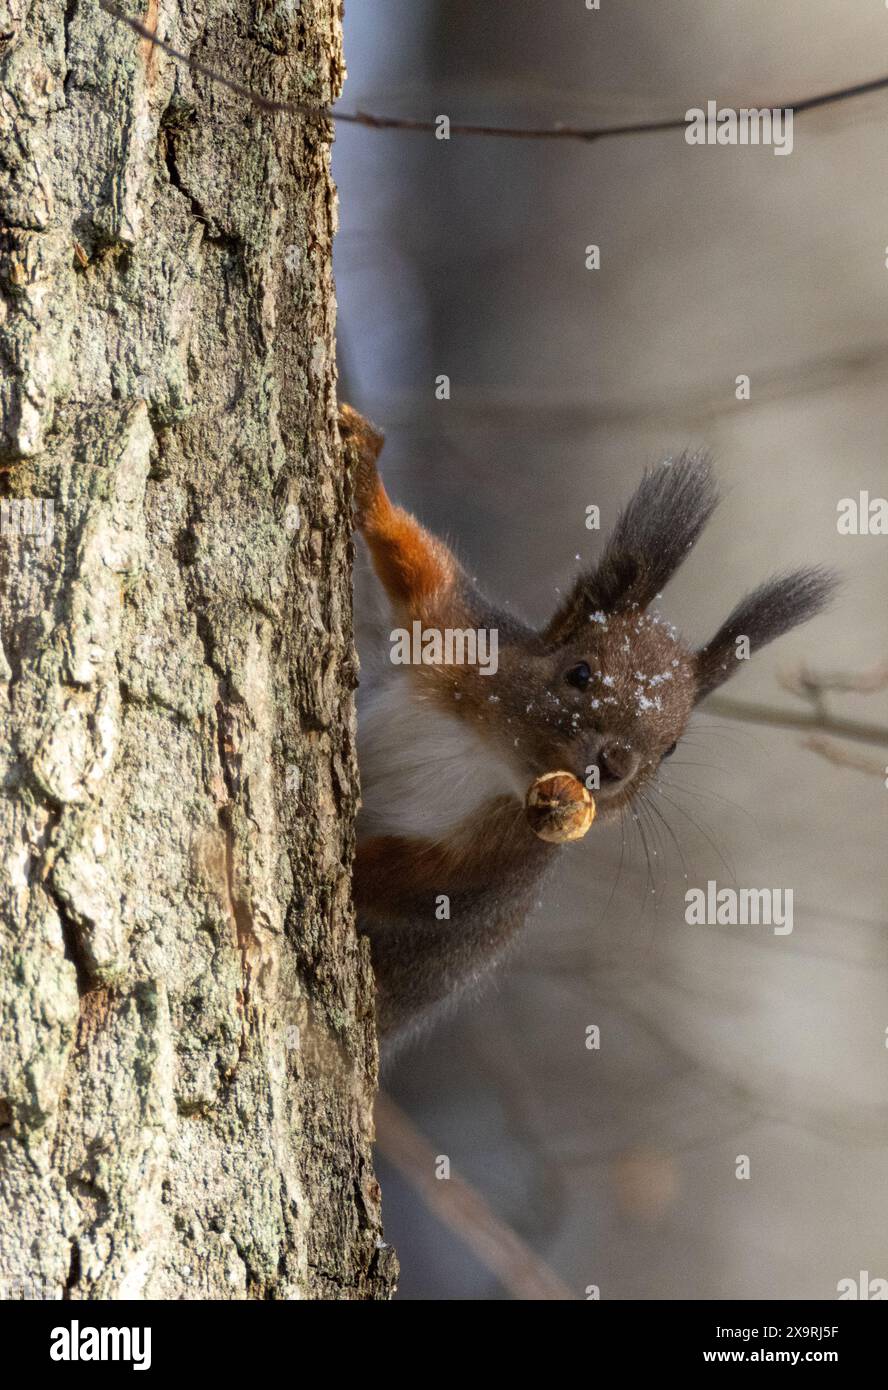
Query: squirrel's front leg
(417, 571)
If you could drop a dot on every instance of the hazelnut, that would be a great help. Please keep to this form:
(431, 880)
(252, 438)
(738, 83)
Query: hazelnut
(559, 807)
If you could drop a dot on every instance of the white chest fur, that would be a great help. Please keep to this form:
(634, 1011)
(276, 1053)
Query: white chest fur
(422, 770)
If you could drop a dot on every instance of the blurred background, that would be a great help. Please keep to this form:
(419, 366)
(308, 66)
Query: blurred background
(616, 1167)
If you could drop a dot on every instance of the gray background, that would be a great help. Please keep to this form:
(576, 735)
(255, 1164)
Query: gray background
(467, 257)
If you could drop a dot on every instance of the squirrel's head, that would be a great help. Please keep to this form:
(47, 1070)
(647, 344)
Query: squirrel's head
(608, 683)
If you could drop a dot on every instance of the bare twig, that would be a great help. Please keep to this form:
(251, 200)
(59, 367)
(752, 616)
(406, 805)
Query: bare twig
(813, 688)
(295, 108)
(806, 683)
(373, 121)
(792, 719)
(464, 1211)
(835, 753)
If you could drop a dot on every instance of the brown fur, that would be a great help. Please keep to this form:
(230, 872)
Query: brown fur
(643, 683)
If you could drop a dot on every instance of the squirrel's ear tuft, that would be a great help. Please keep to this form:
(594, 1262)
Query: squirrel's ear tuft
(770, 610)
(651, 538)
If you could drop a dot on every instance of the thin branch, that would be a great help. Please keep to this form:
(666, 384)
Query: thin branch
(792, 719)
(372, 121)
(316, 113)
(810, 684)
(459, 1207)
(813, 688)
(843, 757)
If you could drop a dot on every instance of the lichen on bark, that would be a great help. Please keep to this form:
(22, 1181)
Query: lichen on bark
(187, 1042)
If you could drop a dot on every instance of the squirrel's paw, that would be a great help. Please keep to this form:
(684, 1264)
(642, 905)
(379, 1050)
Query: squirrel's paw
(362, 443)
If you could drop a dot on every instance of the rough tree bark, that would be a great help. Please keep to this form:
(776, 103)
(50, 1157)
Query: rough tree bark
(187, 1044)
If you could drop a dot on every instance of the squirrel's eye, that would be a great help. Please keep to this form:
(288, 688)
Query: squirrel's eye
(670, 750)
(579, 675)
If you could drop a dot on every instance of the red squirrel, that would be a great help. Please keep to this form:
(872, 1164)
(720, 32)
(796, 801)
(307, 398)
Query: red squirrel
(446, 751)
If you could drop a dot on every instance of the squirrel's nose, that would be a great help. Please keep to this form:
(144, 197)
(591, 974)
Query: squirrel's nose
(616, 761)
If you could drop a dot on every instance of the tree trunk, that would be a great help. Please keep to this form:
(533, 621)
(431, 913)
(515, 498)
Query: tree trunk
(187, 1043)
